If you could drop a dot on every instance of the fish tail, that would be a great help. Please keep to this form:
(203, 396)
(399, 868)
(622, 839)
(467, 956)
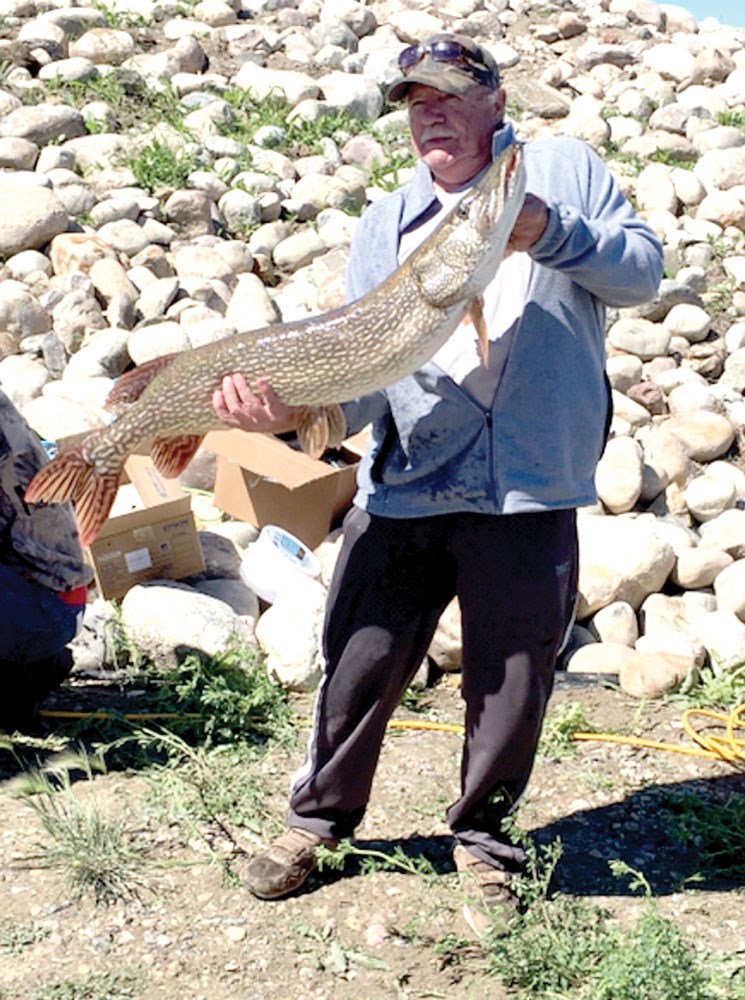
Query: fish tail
(71, 476)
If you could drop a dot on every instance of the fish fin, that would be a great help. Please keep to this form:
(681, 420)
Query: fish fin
(476, 312)
(321, 427)
(71, 476)
(171, 455)
(131, 385)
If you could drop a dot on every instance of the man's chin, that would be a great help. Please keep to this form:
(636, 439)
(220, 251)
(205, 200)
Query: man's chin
(438, 158)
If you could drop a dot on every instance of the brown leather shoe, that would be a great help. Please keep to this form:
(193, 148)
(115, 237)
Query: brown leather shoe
(492, 901)
(285, 864)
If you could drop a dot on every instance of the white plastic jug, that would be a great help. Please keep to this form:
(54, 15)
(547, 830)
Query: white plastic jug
(275, 559)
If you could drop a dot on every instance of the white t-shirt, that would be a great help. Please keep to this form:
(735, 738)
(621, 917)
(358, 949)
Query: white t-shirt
(504, 302)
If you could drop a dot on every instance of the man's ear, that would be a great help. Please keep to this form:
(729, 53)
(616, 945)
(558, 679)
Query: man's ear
(500, 103)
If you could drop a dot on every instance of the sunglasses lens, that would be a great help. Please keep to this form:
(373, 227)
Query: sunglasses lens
(451, 52)
(410, 57)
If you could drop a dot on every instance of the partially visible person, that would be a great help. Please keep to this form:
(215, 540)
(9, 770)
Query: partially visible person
(43, 577)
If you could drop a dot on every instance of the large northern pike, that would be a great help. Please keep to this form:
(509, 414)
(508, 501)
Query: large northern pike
(314, 363)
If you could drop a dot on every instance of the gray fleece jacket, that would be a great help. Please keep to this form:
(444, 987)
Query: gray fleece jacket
(435, 450)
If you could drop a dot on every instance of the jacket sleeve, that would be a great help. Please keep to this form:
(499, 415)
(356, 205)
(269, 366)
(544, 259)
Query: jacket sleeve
(593, 234)
(40, 540)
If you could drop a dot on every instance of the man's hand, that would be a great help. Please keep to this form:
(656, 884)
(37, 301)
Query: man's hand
(237, 405)
(531, 224)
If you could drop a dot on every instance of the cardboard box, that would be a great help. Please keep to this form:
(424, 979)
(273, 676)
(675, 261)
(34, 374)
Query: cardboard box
(150, 533)
(263, 480)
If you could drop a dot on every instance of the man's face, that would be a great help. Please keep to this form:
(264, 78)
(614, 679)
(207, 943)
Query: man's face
(453, 134)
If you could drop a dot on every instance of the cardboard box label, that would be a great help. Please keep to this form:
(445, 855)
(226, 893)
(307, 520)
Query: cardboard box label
(137, 560)
(150, 533)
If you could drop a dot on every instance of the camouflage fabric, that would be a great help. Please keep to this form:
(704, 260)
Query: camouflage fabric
(41, 542)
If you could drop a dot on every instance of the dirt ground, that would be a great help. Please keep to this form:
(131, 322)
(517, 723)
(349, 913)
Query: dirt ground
(350, 935)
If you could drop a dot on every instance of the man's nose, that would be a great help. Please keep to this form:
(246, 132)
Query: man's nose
(432, 113)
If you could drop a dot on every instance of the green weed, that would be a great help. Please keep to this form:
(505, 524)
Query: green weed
(329, 954)
(94, 854)
(559, 727)
(386, 176)
(16, 936)
(158, 166)
(720, 247)
(562, 948)
(303, 138)
(654, 963)
(372, 860)
(230, 695)
(671, 158)
(124, 19)
(715, 829)
(219, 785)
(615, 153)
(721, 297)
(735, 119)
(95, 986)
(131, 100)
(716, 689)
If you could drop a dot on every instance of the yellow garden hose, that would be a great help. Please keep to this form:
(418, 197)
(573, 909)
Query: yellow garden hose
(729, 747)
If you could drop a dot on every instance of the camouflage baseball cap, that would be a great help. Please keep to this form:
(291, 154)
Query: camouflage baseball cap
(450, 63)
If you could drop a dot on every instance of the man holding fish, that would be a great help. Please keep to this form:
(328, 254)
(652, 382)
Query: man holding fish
(476, 466)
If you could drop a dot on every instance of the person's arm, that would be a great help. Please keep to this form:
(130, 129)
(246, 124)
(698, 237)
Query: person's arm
(592, 233)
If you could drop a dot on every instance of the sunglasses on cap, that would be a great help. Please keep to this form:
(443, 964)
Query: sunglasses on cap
(446, 51)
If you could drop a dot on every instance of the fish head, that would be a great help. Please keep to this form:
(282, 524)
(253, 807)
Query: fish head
(463, 254)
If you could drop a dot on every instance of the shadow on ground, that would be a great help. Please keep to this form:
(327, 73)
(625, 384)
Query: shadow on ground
(645, 831)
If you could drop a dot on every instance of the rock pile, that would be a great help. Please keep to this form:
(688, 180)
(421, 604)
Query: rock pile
(149, 208)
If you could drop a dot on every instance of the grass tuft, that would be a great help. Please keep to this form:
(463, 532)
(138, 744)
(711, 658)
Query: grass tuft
(94, 853)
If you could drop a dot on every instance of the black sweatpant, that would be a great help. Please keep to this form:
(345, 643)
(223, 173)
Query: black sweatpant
(515, 577)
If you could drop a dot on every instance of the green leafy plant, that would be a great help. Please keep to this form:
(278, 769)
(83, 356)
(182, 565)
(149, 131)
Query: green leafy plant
(372, 860)
(672, 158)
(654, 962)
(717, 688)
(124, 19)
(559, 728)
(16, 936)
(560, 948)
(95, 986)
(303, 138)
(329, 954)
(715, 829)
(615, 153)
(158, 165)
(731, 117)
(225, 696)
(220, 785)
(386, 176)
(721, 296)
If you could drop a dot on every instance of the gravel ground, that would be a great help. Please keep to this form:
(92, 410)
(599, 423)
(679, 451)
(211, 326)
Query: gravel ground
(352, 934)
